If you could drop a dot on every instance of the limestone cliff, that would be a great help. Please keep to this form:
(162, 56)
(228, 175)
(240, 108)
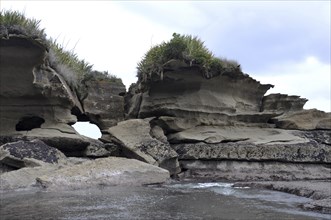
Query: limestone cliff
(225, 124)
(203, 122)
(37, 101)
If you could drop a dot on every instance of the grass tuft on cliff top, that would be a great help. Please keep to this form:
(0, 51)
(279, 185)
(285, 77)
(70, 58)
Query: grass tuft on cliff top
(187, 48)
(16, 22)
(74, 70)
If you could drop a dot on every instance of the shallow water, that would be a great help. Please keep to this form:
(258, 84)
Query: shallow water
(174, 201)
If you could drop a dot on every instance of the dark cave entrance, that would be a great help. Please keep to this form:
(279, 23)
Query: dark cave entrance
(28, 123)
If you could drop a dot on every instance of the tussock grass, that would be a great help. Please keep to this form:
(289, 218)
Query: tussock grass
(15, 21)
(75, 71)
(187, 48)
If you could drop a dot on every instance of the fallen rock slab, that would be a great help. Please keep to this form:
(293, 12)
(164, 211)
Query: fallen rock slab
(24, 177)
(139, 141)
(104, 172)
(27, 153)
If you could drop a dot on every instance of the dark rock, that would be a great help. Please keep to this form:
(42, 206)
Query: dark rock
(97, 148)
(13, 154)
(309, 152)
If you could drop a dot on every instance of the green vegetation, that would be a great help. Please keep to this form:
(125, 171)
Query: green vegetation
(74, 70)
(188, 49)
(16, 21)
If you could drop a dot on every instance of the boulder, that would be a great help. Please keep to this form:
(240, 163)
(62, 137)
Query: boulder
(70, 143)
(104, 172)
(304, 120)
(28, 154)
(135, 138)
(25, 177)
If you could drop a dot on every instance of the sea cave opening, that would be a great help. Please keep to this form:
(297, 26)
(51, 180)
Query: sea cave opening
(87, 129)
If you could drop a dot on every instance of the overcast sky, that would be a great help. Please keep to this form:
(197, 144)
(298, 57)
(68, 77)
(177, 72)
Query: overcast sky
(284, 43)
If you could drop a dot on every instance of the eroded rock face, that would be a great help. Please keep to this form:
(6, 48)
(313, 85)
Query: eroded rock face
(309, 152)
(104, 104)
(136, 139)
(304, 120)
(233, 170)
(32, 95)
(222, 124)
(185, 93)
(28, 153)
(37, 101)
(104, 172)
(282, 103)
(263, 154)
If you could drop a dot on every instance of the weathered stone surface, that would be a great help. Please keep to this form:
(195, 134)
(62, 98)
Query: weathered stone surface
(310, 152)
(304, 120)
(104, 172)
(97, 148)
(132, 102)
(282, 103)
(104, 104)
(185, 93)
(45, 101)
(236, 170)
(135, 138)
(222, 134)
(174, 124)
(25, 177)
(28, 153)
(40, 97)
(320, 136)
(71, 144)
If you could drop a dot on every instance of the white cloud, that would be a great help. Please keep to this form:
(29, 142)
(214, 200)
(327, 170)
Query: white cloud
(309, 79)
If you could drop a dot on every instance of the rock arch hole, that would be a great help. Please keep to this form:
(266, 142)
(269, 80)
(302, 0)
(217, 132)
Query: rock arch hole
(28, 123)
(87, 129)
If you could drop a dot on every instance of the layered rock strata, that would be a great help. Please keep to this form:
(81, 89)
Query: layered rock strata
(37, 101)
(225, 128)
